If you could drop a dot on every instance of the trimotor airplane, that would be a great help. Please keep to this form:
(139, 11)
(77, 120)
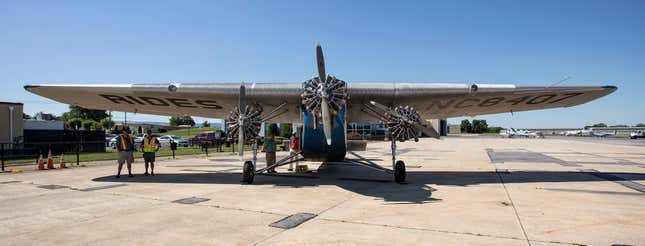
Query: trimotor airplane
(324, 104)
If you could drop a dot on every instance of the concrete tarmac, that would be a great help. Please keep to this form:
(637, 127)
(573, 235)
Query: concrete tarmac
(459, 191)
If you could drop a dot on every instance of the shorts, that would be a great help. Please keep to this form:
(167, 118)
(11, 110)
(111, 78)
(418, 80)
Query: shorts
(126, 156)
(270, 158)
(149, 157)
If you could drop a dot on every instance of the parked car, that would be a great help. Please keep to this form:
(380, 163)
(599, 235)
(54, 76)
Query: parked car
(138, 141)
(165, 140)
(210, 138)
(637, 134)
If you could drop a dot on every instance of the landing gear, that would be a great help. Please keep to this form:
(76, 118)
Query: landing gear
(248, 172)
(398, 167)
(399, 172)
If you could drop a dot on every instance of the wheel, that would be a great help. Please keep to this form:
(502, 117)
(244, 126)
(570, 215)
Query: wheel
(399, 171)
(247, 172)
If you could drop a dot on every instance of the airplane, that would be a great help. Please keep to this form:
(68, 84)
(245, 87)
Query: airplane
(324, 104)
(511, 133)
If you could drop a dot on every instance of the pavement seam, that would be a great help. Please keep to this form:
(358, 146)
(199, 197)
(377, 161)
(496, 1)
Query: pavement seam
(317, 216)
(441, 231)
(517, 215)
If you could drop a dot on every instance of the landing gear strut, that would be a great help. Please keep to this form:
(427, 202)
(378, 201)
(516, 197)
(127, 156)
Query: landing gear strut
(398, 167)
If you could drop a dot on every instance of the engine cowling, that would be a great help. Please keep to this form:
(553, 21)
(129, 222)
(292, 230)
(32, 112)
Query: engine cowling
(250, 122)
(333, 90)
(401, 124)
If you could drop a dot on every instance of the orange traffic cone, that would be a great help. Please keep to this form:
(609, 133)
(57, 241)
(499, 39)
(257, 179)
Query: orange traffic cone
(50, 160)
(62, 161)
(41, 165)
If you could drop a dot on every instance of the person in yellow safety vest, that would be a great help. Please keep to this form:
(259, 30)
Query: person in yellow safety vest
(149, 147)
(125, 146)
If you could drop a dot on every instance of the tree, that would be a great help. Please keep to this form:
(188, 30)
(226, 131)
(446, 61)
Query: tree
(206, 124)
(599, 125)
(285, 130)
(620, 126)
(181, 120)
(83, 113)
(466, 127)
(479, 126)
(75, 123)
(640, 125)
(106, 123)
(495, 129)
(88, 124)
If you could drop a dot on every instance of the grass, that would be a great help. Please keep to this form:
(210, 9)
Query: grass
(190, 132)
(113, 155)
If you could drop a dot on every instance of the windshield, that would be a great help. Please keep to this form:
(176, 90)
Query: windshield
(175, 137)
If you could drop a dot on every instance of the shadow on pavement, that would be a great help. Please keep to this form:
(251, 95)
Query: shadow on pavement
(368, 182)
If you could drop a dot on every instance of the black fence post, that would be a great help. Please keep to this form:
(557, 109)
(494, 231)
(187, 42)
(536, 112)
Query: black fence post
(206, 145)
(78, 153)
(2, 153)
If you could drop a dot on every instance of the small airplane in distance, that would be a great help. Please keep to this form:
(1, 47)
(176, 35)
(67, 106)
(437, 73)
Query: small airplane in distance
(324, 104)
(512, 133)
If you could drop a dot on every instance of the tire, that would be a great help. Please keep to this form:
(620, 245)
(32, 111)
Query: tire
(399, 172)
(248, 172)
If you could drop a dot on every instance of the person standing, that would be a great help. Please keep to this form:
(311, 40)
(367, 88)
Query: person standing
(269, 147)
(125, 146)
(149, 147)
(294, 146)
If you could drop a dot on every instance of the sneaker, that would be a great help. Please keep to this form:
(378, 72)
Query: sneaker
(146, 174)
(118, 176)
(153, 174)
(130, 175)
(290, 169)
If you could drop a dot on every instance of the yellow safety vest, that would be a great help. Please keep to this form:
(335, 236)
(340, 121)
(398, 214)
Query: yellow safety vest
(149, 144)
(124, 145)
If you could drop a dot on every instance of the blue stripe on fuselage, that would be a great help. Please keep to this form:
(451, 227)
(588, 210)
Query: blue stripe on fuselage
(314, 145)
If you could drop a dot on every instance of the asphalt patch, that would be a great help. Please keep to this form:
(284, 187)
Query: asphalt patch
(293, 220)
(616, 179)
(191, 200)
(10, 182)
(103, 187)
(52, 187)
(523, 156)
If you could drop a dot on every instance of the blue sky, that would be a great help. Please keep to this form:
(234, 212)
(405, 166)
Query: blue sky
(525, 43)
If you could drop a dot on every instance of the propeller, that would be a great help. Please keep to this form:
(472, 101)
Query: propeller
(244, 121)
(404, 122)
(324, 96)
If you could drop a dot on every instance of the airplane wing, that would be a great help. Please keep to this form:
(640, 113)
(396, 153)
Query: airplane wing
(215, 100)
(434, 101)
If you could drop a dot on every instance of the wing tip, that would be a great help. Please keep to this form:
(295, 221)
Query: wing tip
(610, 87)
(29, 87)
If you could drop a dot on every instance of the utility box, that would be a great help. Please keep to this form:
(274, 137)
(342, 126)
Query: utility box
(11, 125)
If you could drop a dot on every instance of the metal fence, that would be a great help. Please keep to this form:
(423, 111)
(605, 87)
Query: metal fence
(16, 154)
